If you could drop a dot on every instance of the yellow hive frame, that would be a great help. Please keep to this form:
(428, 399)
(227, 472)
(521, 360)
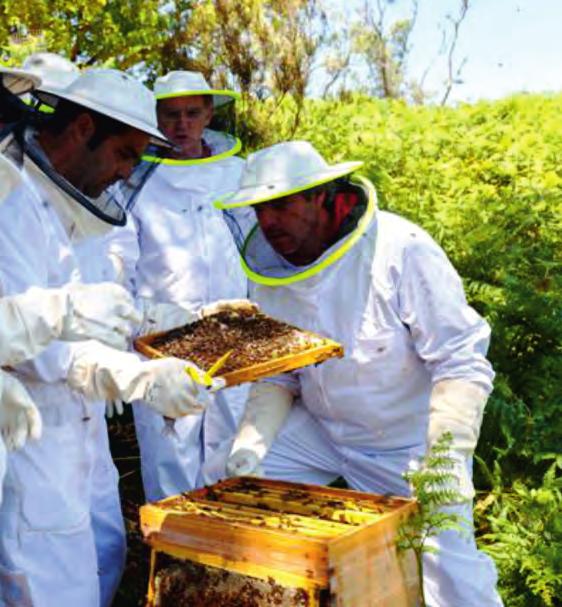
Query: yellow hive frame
(328, 349)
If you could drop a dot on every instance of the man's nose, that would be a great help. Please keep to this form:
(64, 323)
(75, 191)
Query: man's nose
(183, 121)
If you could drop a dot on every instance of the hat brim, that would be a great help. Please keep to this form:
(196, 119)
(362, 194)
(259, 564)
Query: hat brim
(220, 96)
(18, 81)
(272, 191)
(156, 137)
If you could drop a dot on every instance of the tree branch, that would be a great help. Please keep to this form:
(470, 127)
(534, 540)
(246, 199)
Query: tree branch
(452, 77)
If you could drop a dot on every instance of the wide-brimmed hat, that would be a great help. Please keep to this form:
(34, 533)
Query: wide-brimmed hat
(181, 83)
(283, 169)
(18, 81)
(115, 94)
(56, 72)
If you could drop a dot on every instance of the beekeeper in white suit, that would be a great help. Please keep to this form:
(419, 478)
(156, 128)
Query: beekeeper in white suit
(30, 321)
(61, 530)
(187, 257)
(324, 258)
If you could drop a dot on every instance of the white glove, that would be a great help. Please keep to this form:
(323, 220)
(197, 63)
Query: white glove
(31, 320)
(104, 311)
(114, 407)
(228, 305)
(102, 373)
(158, 317)
(457, 406)
(20, 419)
(266, 410)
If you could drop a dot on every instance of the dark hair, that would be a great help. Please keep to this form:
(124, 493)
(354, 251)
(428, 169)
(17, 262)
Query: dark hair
(330, 188)
(67, 112)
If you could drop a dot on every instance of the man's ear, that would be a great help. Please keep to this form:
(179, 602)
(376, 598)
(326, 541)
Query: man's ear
(83, 128)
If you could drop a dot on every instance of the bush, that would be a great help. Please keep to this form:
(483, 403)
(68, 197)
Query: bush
(485, 181)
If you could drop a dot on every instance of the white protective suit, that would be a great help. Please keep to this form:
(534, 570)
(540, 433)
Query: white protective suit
(20, 419)
(397, 305)
(62, 539)
(187, 257)
(2, 446)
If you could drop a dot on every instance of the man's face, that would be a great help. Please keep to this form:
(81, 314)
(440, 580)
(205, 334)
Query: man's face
(183, 119)
(113, 159)
(293, 226)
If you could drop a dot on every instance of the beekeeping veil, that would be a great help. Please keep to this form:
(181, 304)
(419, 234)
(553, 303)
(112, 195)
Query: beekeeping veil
(219, 137)
(282, 170)
(112, 94)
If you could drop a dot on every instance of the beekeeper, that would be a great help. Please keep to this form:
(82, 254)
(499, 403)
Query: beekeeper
(187, 256)
(321, 256)
(62, 540)
(31, 320)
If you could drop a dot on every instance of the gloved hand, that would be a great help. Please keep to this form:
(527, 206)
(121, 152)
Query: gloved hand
(158, 317)
(20, 419)
(105, 312)
(114, 407)
(102, 373)
(266, 410)
(226, 305)
(457, 406)
(31, 320)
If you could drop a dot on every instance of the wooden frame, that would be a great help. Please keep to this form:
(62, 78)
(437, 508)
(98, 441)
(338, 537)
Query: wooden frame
(312, 356)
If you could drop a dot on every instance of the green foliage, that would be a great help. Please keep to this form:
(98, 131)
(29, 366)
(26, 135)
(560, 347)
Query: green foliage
(522, 530)
(89, 32)
(262, 48)
(485, 180)
(434, 485)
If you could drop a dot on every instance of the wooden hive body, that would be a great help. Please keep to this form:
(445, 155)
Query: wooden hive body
(327, 546)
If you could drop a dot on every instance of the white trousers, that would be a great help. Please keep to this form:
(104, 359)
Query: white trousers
(193, 453)
(62, 539)
(458, 575)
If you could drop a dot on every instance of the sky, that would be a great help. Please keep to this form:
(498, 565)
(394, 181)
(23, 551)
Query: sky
(510, 45)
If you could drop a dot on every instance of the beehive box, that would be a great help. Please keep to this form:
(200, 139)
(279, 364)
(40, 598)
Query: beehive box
(260, 346)
(252, 542)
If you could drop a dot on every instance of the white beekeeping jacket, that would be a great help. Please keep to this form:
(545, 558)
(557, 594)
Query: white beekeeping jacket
(47, 485)
(186, 250)
(397, 305)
